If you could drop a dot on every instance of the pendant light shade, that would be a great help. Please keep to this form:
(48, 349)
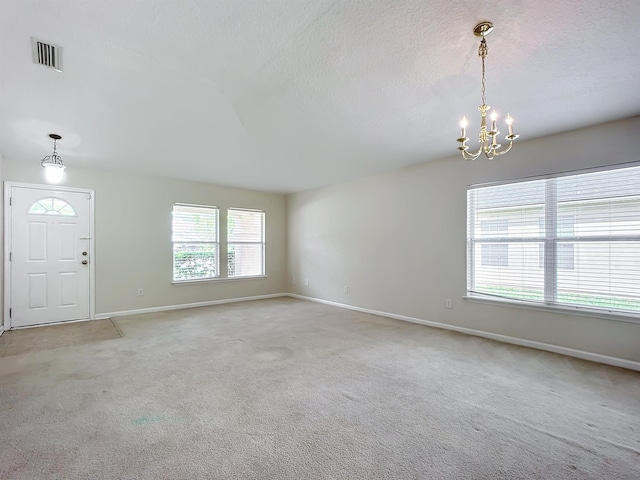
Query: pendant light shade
(53, 166)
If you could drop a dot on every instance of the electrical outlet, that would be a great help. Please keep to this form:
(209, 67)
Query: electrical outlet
(448, 303)
(140, 292)
(306, 281)
(345, 289)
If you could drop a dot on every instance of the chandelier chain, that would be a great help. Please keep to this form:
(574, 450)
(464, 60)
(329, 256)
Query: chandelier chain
(482, 52)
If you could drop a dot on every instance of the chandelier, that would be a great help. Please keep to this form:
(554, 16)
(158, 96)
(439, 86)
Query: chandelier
(53, 166)
(488, 138)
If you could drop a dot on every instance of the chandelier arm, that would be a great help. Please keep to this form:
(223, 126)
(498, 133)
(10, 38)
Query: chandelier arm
(472, 156)
(497, 153)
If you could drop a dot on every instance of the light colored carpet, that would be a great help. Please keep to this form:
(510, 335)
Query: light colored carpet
(288, 389)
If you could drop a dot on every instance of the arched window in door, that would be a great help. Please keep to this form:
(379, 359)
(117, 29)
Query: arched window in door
(52, 206)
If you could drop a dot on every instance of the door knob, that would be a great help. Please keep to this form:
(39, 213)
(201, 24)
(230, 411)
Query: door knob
(84, 262)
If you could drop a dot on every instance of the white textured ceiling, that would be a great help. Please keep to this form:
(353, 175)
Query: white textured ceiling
(286, 95)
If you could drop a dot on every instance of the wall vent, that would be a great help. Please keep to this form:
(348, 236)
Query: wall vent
(47, 54)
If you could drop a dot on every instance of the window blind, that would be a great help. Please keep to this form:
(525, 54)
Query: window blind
(571, 240)
(195, 242)
(245, 242)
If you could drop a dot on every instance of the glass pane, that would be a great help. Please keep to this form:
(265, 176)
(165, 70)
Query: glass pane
(509, 195)
(245, 226)
(195, 224)
(609, 217)
(565, 256)
(517, 222)
(67, 210)
(47, 203)
(494, 255)
(604, 275)
(513, 270)
(194, 261)
(623, 182)
(245, 260)
(37, 209)
(508, 211)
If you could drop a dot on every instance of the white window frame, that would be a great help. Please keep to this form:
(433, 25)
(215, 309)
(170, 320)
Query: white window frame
(215, 242)
(261, 243)
(551, 245)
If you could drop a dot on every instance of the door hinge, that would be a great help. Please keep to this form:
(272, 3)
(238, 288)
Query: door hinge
(9, 313)
(10, 200)
(10, 254)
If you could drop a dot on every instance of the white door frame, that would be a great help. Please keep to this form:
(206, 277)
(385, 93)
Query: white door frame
(7, 243)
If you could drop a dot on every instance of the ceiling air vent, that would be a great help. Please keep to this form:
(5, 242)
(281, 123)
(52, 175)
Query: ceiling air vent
(47, 54)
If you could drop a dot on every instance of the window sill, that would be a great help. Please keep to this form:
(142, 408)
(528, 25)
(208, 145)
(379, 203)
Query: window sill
(568, 310)
(217, 279)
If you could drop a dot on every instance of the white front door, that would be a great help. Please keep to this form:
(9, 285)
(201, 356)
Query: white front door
(50, 255)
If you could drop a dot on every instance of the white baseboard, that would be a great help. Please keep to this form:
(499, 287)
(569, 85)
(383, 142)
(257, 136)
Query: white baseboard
(594, 357)
(166, 308)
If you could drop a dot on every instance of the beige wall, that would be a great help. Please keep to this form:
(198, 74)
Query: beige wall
(133, 236)
(398, 240)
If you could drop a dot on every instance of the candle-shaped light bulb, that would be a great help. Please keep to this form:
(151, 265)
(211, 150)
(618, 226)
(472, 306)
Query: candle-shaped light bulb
(463, 125)
(494, 117)
(509, 121)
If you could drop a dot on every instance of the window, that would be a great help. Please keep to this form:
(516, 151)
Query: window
(570, 240)
(245, 243)
(195, 242)
(52, 206)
